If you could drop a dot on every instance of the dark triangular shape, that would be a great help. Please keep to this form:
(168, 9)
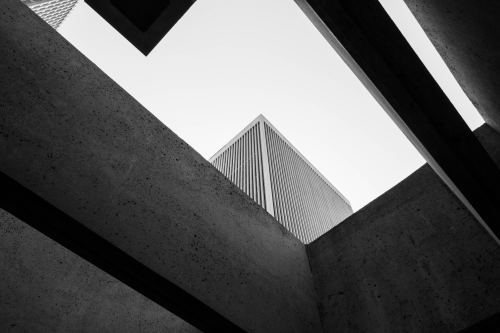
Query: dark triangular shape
(143, 14)
(143, 23)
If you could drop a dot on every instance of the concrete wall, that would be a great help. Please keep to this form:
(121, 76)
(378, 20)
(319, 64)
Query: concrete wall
(75, 138)
(413, 260)
(47, 288)
(467, 37)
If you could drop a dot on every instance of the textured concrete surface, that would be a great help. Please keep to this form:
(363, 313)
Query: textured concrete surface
(47, 288)
(467, 37)
(413, 260)
(75, 138)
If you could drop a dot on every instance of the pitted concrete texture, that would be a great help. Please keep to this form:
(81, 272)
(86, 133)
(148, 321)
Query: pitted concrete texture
(413, 260)
(75, 138)
(467, 37)
(47, 288)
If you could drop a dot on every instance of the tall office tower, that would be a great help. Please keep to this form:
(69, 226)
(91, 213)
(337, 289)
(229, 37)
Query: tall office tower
(51, 11)
(261, 162)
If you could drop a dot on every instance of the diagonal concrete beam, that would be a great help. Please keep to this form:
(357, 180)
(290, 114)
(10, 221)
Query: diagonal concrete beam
(47, 288)
(370, 43)
(466, 35)
(32, 209)
(118, 187)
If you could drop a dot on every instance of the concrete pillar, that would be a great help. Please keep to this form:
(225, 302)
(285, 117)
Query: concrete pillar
(128, 194)
(467, 37)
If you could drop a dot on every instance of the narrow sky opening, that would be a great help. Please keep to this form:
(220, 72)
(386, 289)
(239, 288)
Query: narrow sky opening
(225, 62)
(415, 35)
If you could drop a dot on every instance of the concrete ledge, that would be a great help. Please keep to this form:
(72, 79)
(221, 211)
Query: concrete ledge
(74, 138)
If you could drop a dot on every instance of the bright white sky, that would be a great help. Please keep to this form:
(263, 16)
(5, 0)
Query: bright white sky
(226, 62)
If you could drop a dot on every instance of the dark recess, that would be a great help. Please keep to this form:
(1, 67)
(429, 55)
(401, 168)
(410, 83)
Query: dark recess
(141, 13)
(490, 324)
(142, 23)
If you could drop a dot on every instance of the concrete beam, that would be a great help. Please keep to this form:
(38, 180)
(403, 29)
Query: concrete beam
(466, 35)
(125, 192)
(15, 198)
(370, 43)
(47, 288)
(413, 260)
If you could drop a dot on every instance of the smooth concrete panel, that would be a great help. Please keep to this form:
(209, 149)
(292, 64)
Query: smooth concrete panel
(413, 260)
(466, 35)
(75, 138)
(47, 288)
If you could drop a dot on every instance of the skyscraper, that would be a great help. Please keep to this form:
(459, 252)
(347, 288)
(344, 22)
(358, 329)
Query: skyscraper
(51, 11)
(261, 162)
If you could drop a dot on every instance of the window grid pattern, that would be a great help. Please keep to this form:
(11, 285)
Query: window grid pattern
(303, 201)
(52, 11)
(242, 164)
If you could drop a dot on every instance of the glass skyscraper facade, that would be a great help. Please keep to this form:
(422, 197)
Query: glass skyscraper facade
(261, 162)
(51, 11)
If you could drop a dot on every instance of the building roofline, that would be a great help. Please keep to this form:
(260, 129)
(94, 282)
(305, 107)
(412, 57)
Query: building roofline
(236, 137)
(265, 120)
(260, 118)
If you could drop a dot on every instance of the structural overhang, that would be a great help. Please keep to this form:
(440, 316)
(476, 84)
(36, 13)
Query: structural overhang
(142, 23)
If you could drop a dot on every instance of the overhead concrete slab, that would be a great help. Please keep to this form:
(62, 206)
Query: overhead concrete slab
(133, 197)
(143, 23)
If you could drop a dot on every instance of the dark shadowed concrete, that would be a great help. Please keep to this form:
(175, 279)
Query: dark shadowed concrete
(143, 23)
(490, 324)
(490, 139)
(72, 136)
(47, 288)
(467, 37)
(413, 260)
